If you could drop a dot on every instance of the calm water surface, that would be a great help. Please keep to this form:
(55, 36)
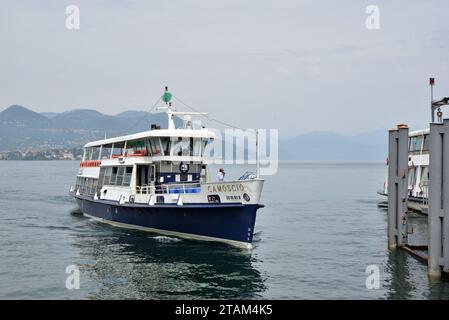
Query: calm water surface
(319, 231)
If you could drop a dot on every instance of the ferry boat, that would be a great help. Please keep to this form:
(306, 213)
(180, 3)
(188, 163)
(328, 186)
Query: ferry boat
(158, 181)
(418, 161)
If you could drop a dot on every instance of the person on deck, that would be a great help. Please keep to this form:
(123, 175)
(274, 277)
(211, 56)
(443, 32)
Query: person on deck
(220, 174)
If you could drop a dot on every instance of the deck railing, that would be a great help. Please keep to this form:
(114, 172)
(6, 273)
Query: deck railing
(170, 188)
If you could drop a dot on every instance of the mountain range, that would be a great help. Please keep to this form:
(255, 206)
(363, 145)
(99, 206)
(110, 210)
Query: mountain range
(24, 129)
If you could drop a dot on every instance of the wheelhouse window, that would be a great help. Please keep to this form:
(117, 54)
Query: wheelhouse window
(136, 148)
(166, 144)
(92, 153)
(106, 151)
(87, 154)
(155, 146)
(95, 154)
(118, 149)
(181, 147)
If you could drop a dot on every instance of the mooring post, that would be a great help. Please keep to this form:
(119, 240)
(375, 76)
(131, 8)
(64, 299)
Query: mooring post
(392, 189)
(445, 195)
(439, 199)
(397, 186)
(436, 198)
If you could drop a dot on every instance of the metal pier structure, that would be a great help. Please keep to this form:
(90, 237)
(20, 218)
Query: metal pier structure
(438, 218)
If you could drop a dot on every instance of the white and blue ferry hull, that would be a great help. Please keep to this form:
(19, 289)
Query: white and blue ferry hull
(232, 223)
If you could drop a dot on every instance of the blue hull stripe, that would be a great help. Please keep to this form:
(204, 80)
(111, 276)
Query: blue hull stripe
(224, 221)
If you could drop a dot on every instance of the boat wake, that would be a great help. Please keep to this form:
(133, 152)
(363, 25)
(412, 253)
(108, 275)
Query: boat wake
(165, 239)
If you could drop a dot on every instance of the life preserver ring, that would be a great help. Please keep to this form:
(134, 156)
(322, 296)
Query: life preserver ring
(184, 167)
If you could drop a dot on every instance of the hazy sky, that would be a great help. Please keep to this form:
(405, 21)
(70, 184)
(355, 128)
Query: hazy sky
(298, 66)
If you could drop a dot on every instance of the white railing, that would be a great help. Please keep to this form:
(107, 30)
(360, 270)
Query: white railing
(167, 187)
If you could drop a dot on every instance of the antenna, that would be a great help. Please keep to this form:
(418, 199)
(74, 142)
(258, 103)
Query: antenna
(432, 83)
(257, 155)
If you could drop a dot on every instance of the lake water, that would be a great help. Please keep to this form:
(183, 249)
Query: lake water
(319, 231)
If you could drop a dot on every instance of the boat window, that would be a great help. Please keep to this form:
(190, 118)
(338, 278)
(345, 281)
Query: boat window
(81, 185)
(101, 176)
(424, 184)
(106, 151)
(196, 147)
(107, 175)
(181, 147)
(118, 149)
(82, 181)
(87, 153)
(206, 143)
(155, 146)
(419, 141)
(416, 143)
(191, 147)
(136, 148)
(425, 177)
(93, 188)
(85, 185)
(95, 154)
(120, 172)
(113, 176)
(100, 180)
(127, 176)
(426, 142)
(89, 186)
(166, 143)
(78, 183)
(412, 143)
(411, 178)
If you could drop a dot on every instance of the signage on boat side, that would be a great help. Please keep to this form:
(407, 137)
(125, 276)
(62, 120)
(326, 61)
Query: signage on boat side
(226, 187)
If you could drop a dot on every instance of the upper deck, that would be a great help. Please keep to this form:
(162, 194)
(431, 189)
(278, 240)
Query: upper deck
(170, 133)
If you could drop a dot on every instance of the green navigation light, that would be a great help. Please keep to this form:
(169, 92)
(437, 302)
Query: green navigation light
(166, 97)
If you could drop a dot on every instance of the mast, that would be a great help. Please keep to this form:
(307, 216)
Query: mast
(166, 97)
